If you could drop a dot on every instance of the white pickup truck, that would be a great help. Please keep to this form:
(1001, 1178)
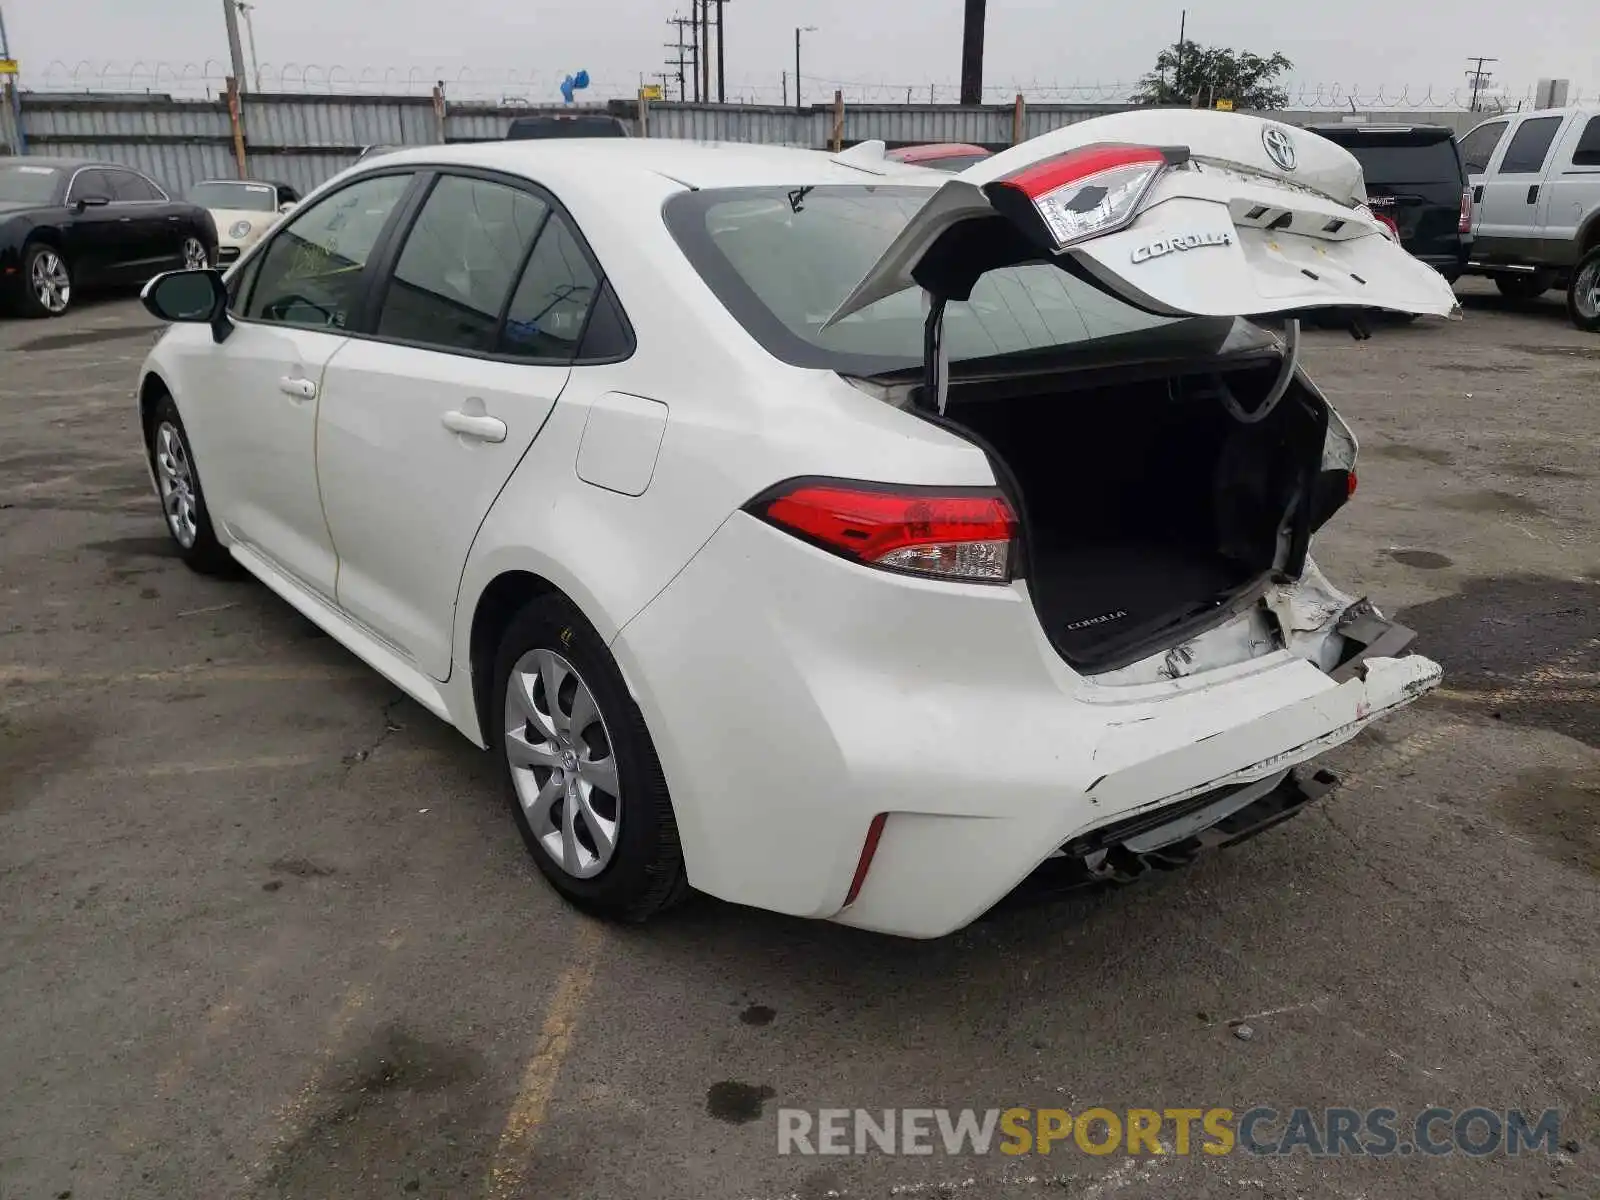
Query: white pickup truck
(1535, 181)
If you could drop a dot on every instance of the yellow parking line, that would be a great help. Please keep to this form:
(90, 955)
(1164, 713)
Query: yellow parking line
(290, 1117)
(544, 1068)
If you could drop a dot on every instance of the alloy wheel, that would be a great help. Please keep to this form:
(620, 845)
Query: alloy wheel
(562, 765)
(175, 478)
(1586, 291)
(51, 283)
(194, 254)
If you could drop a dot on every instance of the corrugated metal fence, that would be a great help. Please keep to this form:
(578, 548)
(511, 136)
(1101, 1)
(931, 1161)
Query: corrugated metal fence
(302, 140)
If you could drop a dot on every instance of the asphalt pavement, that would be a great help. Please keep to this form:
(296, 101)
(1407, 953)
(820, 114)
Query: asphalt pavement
(267, 930)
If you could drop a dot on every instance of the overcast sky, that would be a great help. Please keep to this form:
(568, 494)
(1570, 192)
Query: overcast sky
(898, 44)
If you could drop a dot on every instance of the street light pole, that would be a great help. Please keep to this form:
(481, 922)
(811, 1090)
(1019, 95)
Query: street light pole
(250, 35)
(799, 99)
(235, 50)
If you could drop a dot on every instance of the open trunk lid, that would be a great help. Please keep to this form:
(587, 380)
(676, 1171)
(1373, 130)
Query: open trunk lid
(1180, 212)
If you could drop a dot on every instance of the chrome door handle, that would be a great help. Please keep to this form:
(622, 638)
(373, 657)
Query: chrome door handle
(300, 389)
(483, 429)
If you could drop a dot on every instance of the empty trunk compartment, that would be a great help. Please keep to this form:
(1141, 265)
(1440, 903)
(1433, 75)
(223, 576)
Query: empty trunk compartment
(1150, 511)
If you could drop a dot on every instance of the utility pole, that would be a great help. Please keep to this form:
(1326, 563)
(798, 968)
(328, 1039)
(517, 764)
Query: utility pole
(1479, 78)
(972, 53)
(1183, 27)
(685, 55)
(235, 51)
(722, 83)
(705, 49)
(799, 92)
(250, 35)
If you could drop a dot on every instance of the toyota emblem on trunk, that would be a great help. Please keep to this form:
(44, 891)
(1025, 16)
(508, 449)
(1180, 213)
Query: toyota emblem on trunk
(1280, 146)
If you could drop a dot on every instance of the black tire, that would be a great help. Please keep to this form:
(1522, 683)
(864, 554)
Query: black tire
(204, 554)
(1523, 287)
(28, 301)
(1585, 311)
(645, 873)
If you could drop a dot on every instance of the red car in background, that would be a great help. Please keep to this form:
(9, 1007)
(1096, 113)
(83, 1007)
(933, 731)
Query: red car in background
(941, 156)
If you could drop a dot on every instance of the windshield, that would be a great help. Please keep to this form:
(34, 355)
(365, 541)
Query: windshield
(248, 197)
(21, 184)
(782, 260)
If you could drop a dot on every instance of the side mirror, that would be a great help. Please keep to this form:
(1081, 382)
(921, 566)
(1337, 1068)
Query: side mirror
(92, 202)
(286, 207)
(195, 297)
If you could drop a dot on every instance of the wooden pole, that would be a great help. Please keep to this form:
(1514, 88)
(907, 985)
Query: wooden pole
(236, 120)
(838, 121)
(1018, 119)
(438, 112)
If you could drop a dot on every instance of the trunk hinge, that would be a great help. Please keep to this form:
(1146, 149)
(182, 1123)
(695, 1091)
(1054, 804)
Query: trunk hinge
(935, 356)
(1280, 386)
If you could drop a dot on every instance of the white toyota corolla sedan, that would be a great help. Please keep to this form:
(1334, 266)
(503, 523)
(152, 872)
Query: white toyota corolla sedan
(824, 534)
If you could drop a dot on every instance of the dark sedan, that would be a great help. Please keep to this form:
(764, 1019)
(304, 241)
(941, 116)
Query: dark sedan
(67, 225)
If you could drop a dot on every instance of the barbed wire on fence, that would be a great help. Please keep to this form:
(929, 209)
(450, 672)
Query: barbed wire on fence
(209, 79)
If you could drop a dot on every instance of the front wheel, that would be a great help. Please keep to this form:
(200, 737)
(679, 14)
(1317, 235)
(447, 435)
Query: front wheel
(47, 281)
(580, 771)
(183, 503)
(1583, 294)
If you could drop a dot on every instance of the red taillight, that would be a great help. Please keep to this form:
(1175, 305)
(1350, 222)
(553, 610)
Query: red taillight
(1466, 212)
(1085, 192)
(925, 531)
(1350, 485)
(1388, 223)
(1077, 165)
(868, 849)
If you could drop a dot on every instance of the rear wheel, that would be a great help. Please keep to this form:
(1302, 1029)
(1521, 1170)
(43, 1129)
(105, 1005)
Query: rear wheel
(47, 281)
(194, 254)
(1583, 294)
(580, 771)
(1524, 287)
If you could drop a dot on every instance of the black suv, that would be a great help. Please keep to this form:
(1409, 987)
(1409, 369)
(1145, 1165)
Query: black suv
(586, 126)
(1417, 184)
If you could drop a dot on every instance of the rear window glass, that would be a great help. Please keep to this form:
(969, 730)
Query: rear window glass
(1529, 145)
(1387, 160)
(782, 260)
(1588, 151)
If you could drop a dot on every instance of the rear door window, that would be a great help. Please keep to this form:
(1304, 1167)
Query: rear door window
(460, 259)
(1530, 145)
(552, 300)
(1588, 152)
(1477, 148)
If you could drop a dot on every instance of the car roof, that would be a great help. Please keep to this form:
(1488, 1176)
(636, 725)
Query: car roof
(612, 161)
(1359, 127)
(69, 164)
(933, 151)
(246, 182)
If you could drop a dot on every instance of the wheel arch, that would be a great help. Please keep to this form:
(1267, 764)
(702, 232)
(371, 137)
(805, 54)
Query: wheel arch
(497, 605)
(47, 235)
(152, 387)
(1589, 234)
